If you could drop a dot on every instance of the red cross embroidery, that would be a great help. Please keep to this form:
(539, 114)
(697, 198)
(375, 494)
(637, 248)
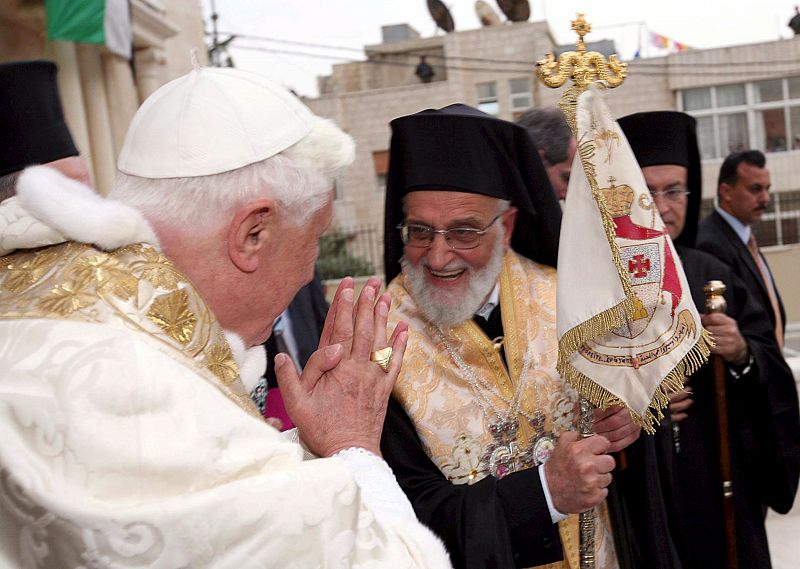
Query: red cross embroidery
(639, 266)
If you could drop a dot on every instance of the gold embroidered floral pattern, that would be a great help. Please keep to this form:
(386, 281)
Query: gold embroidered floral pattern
(26, 270)
(159, 270)
(220, 362)
(171, 312)
(66, 298)
(605, 138)
(108, 275)
(77, 282)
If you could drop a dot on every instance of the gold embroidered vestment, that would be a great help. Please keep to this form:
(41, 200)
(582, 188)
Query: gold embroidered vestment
(445, 409)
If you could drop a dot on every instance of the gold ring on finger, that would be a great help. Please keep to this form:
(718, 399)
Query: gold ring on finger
(382, 358)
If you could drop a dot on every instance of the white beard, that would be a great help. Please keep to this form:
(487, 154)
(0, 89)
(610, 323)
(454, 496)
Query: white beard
(447, 308)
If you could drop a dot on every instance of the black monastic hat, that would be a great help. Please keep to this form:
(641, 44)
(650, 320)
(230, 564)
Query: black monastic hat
(32, 126)
(461, 149)
(669, 137)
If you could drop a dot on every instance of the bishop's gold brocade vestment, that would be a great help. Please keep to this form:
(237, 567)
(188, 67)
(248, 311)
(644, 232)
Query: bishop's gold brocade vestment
(128, 438)
(449, 416)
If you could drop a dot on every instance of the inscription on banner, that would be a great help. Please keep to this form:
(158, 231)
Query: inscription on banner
(685, 328)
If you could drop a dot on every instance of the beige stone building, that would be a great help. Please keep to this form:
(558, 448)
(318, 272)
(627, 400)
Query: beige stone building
(744, 96)
(101, 91)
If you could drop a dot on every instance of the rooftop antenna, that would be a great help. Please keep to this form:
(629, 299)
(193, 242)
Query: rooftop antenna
(515, 10)
(486, 14)
(441, 15)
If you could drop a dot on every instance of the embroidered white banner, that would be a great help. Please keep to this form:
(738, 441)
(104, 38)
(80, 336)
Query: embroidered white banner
(628, 329)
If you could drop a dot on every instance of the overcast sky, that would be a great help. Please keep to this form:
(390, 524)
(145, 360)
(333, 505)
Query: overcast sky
(351, 24)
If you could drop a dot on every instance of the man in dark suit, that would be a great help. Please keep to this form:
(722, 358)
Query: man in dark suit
(743, 197)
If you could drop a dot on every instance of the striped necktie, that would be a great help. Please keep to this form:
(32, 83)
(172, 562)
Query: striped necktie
(752, 246)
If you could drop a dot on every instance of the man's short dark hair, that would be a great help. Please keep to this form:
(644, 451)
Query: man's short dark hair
(550, 132)
(727, 172)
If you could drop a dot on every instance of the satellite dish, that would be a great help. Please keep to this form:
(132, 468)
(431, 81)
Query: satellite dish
(515, 10)
(441, 15)
(486, 14)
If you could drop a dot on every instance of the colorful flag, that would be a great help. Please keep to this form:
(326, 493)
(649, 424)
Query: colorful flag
(663, 42)
(659, 41)
(628, 328)
(104, 22)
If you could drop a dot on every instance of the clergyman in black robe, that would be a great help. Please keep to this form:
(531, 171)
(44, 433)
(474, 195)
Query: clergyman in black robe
(764, 424)
(503, 521)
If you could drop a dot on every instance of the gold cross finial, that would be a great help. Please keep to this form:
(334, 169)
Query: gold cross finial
(581, 27)
(583, 67)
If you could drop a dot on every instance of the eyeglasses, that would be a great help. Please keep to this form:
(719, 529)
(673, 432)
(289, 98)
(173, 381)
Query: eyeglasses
(671, 194)
(422, 236)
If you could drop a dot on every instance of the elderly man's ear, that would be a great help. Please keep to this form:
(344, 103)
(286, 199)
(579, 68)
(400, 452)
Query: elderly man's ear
(253, 225)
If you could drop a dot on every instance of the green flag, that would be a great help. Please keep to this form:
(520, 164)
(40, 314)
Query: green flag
(104, 22)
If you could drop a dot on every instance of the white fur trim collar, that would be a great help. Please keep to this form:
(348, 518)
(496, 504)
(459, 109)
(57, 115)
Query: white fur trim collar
(252, 362)
(50, 208)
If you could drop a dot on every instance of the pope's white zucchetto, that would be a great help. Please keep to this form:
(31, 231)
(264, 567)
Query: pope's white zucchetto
(211, 121)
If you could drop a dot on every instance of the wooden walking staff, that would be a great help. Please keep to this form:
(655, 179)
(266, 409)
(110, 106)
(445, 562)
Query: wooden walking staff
(583, 68)
(715, 302)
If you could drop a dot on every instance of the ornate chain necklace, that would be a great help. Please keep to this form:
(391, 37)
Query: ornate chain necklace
(504, 454)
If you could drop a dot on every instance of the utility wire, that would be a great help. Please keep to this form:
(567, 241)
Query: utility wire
(639, 62)
(659, 71)
(294, 42)
(526, 69)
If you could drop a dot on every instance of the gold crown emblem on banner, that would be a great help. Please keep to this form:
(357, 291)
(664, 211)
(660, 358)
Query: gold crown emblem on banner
(618, 198)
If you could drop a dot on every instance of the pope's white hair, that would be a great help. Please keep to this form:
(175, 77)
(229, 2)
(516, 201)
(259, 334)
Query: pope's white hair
(299, 178)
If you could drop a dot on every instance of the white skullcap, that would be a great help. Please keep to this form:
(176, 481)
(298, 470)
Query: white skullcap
(210, 121)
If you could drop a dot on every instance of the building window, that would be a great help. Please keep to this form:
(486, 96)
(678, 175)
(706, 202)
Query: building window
(696, 99)
(780, 224)
(762, 114)
(487, 98)
(730, 96)
(521, 96)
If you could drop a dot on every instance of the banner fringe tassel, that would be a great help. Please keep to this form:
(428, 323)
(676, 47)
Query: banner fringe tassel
(601, 398)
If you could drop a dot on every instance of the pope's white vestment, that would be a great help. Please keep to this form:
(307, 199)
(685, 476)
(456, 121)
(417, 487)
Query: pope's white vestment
(126, 435)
